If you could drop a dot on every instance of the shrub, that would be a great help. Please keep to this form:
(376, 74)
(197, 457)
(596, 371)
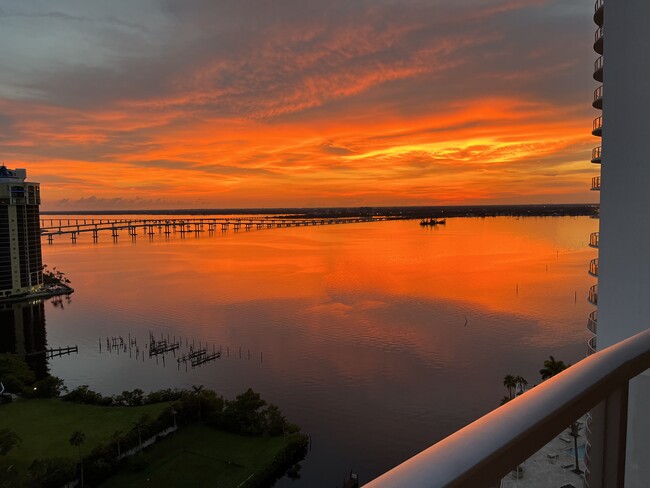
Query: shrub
(48, 387)
(83, 394)
(133, 398)
(161, 396)
(8, 440)
(15, 373)
(50, 472)
(286, 461)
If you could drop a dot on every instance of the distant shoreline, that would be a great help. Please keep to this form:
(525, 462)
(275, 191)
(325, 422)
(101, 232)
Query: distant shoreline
(539, 210)
(48, 292)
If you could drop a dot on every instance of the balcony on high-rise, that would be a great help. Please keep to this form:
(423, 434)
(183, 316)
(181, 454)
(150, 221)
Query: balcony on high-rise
(596, 155)
(598, 40)
(592, 296)
(592, 322)
(597, 126)
(598, 69)
(598, 97)
(594, 239)
(595, 183)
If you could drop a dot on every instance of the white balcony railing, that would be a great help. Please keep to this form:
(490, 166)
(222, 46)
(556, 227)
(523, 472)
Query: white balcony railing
(596, 154)
(592, 322)
(593, 295)
(598, 97)
(597, 126)
(598, 12)
(598, 69)
(598, 64)
(593, 267)
(598, 34)
(591, 346)
(594, 239)
(595, 183)
(487, 449)
(598, 40)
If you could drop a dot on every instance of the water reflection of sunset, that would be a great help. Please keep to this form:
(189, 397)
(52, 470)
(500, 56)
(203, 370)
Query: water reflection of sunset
(486, 269)
(522, 267)
(350, 319)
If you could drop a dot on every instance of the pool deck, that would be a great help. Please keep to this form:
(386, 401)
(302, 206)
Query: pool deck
(552, 465)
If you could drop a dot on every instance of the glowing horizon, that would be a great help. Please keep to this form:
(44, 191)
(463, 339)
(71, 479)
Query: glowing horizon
(249, 104)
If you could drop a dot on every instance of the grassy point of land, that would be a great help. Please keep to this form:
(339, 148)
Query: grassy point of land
(201, 456)
(45, 426)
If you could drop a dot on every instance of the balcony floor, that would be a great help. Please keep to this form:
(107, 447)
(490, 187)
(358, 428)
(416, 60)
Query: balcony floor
(540, 471)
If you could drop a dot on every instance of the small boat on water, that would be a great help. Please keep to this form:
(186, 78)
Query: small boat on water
(433, 222)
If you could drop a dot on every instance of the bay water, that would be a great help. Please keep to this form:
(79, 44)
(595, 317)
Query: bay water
(378, 339)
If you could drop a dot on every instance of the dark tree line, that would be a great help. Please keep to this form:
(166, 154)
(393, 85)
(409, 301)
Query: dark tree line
(517, 384)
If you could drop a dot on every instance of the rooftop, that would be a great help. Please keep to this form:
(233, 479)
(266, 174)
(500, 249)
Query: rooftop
(15, 174)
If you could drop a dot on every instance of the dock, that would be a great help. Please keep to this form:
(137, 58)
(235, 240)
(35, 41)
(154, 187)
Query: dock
(56, 352)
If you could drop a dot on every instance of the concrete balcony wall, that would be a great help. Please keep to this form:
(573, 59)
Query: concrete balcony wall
(624, 248)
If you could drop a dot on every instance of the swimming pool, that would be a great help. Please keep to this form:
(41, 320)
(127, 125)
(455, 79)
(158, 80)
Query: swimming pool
(581, 451)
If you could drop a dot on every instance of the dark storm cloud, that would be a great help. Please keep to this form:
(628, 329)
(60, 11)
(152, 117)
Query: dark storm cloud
(265, 59)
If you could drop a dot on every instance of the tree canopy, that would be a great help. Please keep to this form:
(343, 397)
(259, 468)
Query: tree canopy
(510, 382)
(552, 367)
(8, 440)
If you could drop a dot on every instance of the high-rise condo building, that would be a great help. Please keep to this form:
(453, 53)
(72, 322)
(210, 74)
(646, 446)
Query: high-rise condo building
(21, 264)
(623, 264)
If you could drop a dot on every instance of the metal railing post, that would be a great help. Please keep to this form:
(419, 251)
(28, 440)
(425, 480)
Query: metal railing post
(615, 437)
(607, 440)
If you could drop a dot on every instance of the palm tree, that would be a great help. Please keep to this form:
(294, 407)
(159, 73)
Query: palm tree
(142, 421)
(77, 439)
(117, 435)
(510, 382)
(198, 392)
(521, 385)
(552, 367)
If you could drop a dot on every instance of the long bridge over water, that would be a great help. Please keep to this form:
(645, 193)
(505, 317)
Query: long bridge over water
(150, 227)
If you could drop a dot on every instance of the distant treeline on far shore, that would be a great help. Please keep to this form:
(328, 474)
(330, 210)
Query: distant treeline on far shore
(546, 210)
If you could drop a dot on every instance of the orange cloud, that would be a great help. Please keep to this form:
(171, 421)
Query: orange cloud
(468, 152)
(370, 104)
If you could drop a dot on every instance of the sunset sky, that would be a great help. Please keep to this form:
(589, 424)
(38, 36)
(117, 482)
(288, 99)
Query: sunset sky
(160, 104)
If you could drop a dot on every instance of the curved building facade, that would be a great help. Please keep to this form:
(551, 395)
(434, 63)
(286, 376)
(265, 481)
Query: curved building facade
(623, 241)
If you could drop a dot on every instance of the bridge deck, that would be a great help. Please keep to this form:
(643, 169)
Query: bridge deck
(73, 227)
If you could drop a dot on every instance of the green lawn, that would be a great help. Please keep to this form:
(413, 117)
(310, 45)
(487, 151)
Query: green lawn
(45, 427)
(200, 456)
